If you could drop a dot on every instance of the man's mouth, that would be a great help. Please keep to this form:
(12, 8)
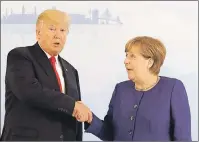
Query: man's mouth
(56, 43)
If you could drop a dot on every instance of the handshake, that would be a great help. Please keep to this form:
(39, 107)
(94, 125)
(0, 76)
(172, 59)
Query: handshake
(82, 113)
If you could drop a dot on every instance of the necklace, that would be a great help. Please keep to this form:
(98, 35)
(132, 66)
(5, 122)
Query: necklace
(147, 88)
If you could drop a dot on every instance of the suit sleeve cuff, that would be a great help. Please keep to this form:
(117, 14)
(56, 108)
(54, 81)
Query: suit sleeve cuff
(94, 126)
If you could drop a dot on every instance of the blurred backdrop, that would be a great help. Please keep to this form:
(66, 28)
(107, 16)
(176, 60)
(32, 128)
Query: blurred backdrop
(98, 34)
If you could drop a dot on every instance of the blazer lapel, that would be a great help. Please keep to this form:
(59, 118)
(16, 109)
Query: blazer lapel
(70, 80)
(44, 62)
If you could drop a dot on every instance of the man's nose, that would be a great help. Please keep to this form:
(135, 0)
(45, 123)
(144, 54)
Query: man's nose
(57, 34)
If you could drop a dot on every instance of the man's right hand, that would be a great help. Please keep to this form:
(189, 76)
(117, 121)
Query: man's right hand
(82, 113)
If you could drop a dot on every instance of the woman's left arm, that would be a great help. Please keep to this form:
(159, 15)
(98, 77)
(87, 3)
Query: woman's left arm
(180, 113)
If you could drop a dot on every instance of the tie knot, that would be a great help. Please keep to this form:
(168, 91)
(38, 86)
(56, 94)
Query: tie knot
(52, 59)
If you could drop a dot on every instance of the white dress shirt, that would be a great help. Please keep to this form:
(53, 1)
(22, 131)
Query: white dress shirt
(59, 70)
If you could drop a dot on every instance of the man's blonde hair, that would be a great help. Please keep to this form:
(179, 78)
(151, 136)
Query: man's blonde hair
(53, 16)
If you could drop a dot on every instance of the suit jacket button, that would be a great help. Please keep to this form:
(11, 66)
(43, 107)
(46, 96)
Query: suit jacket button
(135, 106)
(61, 136)
(130, 132)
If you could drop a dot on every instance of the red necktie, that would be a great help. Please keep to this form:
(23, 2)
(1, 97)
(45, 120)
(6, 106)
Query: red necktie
(52, 61)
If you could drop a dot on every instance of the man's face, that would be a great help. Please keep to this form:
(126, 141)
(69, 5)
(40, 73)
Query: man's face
(52, 33)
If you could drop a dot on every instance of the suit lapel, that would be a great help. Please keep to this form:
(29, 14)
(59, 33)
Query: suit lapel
(68, 73)
(70, 81)
(44, 62)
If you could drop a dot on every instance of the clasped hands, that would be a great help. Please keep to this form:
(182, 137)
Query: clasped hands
(82, 113)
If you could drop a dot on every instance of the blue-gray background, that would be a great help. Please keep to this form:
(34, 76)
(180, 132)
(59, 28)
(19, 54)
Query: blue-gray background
(97, 50)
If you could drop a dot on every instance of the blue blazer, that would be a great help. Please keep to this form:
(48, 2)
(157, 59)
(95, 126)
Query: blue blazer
(159, 114)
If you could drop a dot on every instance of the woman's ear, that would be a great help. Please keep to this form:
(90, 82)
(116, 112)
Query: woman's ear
(150, 63)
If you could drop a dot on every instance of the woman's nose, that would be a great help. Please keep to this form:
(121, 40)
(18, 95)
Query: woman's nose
(126, 61)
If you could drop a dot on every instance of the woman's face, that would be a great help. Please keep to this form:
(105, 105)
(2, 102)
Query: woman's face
(136, 65)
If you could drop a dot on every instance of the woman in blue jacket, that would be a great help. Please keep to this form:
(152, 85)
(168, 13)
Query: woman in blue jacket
(147, 107)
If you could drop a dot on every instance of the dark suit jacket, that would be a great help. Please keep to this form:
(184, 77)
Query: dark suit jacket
(35, 107)
(159, 114)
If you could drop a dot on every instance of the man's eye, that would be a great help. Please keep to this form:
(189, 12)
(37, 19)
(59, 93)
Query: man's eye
(63, 30)
(52, 29)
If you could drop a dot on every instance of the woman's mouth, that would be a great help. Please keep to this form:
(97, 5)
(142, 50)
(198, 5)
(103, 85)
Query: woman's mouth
(129, 69)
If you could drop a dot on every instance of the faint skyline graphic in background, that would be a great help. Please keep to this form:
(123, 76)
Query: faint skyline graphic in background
(98, 34)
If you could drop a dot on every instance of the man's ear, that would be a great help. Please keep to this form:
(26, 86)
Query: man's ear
(39, 26)
(38, 33)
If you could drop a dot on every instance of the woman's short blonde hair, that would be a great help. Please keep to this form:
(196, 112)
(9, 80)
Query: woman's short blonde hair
(149, 48)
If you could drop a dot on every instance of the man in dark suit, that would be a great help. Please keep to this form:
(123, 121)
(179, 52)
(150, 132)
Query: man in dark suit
(42, 89)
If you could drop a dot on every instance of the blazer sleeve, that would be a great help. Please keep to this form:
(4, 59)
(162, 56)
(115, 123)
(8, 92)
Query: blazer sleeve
(180, 113)
(79, 124)
(103, 129)
(22, 81)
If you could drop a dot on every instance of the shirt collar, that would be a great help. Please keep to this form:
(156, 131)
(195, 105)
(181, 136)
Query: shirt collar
(49, 56)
